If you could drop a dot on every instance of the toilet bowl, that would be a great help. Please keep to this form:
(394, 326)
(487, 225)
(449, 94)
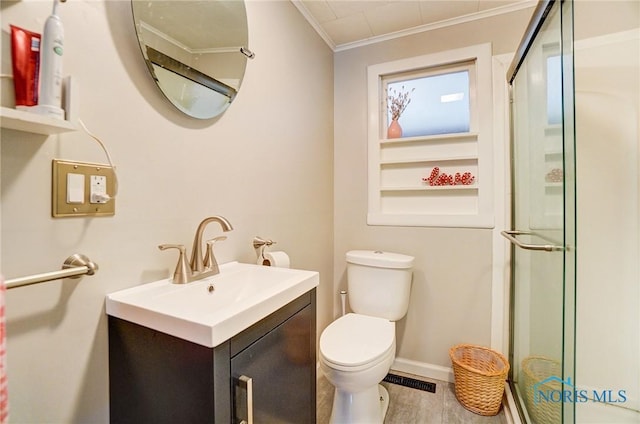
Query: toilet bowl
(357, 349)
(356, 352)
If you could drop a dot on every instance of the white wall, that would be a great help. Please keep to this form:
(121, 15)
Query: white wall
(266, 165)
(451, 294)
(607, 79)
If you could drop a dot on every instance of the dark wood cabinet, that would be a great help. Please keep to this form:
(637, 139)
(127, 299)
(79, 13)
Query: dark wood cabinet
(158, 378)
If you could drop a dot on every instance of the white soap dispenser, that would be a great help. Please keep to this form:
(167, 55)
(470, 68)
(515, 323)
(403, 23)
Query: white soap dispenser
(52, 47)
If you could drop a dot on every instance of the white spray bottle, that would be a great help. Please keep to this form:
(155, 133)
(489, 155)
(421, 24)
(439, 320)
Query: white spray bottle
(51, 50)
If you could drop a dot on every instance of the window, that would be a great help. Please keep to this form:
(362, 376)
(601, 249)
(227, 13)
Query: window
(446, 131)
(439, 101)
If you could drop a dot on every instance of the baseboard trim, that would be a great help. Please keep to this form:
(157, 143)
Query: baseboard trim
(423, 369)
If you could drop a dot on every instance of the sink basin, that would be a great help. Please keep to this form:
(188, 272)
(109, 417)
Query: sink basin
(211, 311)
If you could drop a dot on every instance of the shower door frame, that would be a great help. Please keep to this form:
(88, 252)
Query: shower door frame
(539, 16)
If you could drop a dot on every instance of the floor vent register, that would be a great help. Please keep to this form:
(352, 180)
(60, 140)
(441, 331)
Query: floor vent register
(410, 382)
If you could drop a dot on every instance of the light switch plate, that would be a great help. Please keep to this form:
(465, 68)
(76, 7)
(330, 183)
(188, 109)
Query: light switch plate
(59, 189)
(75, 188)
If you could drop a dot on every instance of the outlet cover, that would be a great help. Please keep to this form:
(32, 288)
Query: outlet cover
(60, 207)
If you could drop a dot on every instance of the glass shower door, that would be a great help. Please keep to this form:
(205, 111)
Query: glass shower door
(543, 223)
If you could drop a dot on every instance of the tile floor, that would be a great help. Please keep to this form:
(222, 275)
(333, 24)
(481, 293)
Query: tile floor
(412, 406)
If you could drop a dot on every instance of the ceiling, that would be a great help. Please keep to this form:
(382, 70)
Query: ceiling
(194, 26)
(345, 24)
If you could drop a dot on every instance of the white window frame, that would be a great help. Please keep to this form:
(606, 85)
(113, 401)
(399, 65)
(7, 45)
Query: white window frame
(481, 129)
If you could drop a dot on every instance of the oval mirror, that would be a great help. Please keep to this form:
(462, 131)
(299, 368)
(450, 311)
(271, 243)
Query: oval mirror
(196, 51)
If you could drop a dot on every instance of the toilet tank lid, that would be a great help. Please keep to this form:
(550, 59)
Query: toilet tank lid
(379, 259)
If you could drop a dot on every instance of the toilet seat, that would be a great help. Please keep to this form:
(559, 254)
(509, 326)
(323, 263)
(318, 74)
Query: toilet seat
(354, 342)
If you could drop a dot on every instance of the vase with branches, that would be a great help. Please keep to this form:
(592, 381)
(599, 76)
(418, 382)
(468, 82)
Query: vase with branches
(397, 102)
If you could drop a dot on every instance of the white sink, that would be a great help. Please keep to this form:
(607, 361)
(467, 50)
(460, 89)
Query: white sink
(242, 295)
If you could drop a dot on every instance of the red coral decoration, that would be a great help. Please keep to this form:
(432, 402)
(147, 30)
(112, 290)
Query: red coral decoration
(438, 179)
(467, 178)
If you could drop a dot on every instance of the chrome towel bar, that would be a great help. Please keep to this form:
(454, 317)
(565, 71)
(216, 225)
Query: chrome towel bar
(510, 235)
(74, 266)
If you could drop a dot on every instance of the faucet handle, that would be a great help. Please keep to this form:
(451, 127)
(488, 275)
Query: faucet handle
(209, 259)
(182, 273)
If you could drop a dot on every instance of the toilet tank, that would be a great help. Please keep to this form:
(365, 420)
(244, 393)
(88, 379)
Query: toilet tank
(379, 283)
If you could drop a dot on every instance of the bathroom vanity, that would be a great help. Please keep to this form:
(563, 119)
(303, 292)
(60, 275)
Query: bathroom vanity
(158, 378)
(264, 373)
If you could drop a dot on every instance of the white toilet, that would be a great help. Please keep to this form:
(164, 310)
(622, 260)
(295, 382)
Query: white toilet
(357, 349)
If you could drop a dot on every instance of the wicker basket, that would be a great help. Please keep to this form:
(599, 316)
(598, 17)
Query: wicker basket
(536, 369)
(479, 374)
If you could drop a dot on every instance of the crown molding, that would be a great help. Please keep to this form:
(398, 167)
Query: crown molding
(314, 23)
(513, 7)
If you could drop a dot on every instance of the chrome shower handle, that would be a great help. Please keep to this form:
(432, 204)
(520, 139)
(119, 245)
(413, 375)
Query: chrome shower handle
(510, 235)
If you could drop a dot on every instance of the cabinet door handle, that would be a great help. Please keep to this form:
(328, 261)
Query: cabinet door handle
(246, 383)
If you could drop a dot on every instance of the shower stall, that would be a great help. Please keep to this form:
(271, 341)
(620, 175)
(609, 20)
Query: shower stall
(575, 241)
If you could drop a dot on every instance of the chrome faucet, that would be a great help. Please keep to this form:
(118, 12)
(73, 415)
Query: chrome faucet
(199, 267)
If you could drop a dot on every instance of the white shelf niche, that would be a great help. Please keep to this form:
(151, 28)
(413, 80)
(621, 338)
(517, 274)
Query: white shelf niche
(397, 194)
(404, 197)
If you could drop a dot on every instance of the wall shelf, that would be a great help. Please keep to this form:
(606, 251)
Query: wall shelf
(404, 165)
(429, 160)
(33, 123)
(431, 188)
(554, 185)
(432, 138)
